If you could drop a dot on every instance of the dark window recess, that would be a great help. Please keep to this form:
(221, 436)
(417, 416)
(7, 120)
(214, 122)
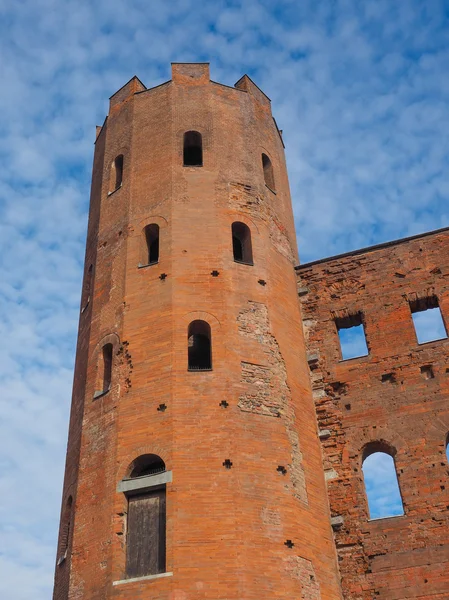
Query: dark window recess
(193, 149)
(199, 346)
(351, 333)
(151, 235)
(147, 464)
(145, 544)
(116, 176)
(268, 172)
(427, 319)
(107, 367)
(241, 243)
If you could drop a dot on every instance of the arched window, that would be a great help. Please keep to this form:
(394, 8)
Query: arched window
(66, 526)
(241, 243)
(116, 176)
(199, 346)
(381, 481)
(193, 149)
(268, 172)
(151, 245)
(147, 464)
(146, 538)
(104, 371)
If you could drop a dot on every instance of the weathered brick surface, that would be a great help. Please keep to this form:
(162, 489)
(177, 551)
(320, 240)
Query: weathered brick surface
(226, 528)
(406, 556)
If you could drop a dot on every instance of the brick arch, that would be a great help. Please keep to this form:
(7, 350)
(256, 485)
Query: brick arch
(109, 338)
(201, 316)
(244, 219)
(387, 439)
(158, 219)
(125, 465)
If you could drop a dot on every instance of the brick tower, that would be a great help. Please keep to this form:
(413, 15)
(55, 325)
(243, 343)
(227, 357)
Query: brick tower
(193, 465)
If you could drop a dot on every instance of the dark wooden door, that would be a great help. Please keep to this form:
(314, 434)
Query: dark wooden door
(145, 547)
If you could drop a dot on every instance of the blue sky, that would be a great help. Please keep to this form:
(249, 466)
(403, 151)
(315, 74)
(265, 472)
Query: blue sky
(360, 90)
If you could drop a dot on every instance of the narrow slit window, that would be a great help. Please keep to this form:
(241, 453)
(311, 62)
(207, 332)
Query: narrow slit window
(193, 149)
(87, 289)
(146, 523)
(66, 526)
(116, 177)
(199, 346)
(351, 333)
(241, 243)
(151, 245)
(428, 320)
(268, 172)
(381, 484)
(447, 447)
(104, 370)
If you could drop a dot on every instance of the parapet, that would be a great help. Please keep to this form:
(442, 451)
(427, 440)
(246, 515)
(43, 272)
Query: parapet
(190, 73)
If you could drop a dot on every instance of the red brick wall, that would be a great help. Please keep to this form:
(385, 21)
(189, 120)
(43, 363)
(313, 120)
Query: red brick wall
(406, 556)
(226, 528)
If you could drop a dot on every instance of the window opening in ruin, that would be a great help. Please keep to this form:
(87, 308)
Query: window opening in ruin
(146, 522)
(447, 447)
(193, 149)
(427, 319)
(199, 346)
(268, 172)
(66, 525)
(381, 482)
(351, 333)
(116, 176)
(151, 245)
(241, 243)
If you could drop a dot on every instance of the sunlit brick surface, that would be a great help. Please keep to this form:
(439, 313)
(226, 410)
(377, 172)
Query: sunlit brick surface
(226, 527)
(397, 395)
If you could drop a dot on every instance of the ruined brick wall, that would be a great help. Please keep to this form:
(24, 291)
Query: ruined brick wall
(260, 529)
(397, 395)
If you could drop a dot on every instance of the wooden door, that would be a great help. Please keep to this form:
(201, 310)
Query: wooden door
(145, 546)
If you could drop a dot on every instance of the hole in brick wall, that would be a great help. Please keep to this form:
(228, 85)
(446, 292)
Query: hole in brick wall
(215, 273)
(289, 543)
(193, 149)
(381, 481)
(262, 282)
(281, 469)
(224, 404)
(388, 378)
(348, 406)
(162, 407)
(427, 319)
(427, 372)
(352, 338)
(227, 463)
(199, 346)
(163, 276)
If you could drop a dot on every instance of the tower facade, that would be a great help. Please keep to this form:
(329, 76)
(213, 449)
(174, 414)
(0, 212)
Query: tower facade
(194, 468)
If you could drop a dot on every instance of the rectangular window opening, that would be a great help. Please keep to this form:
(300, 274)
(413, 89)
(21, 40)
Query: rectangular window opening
(351, 333)
(428, 320)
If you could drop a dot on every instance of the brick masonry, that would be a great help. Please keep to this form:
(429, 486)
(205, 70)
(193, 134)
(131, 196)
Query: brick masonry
(387, 398)
(226, 528)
